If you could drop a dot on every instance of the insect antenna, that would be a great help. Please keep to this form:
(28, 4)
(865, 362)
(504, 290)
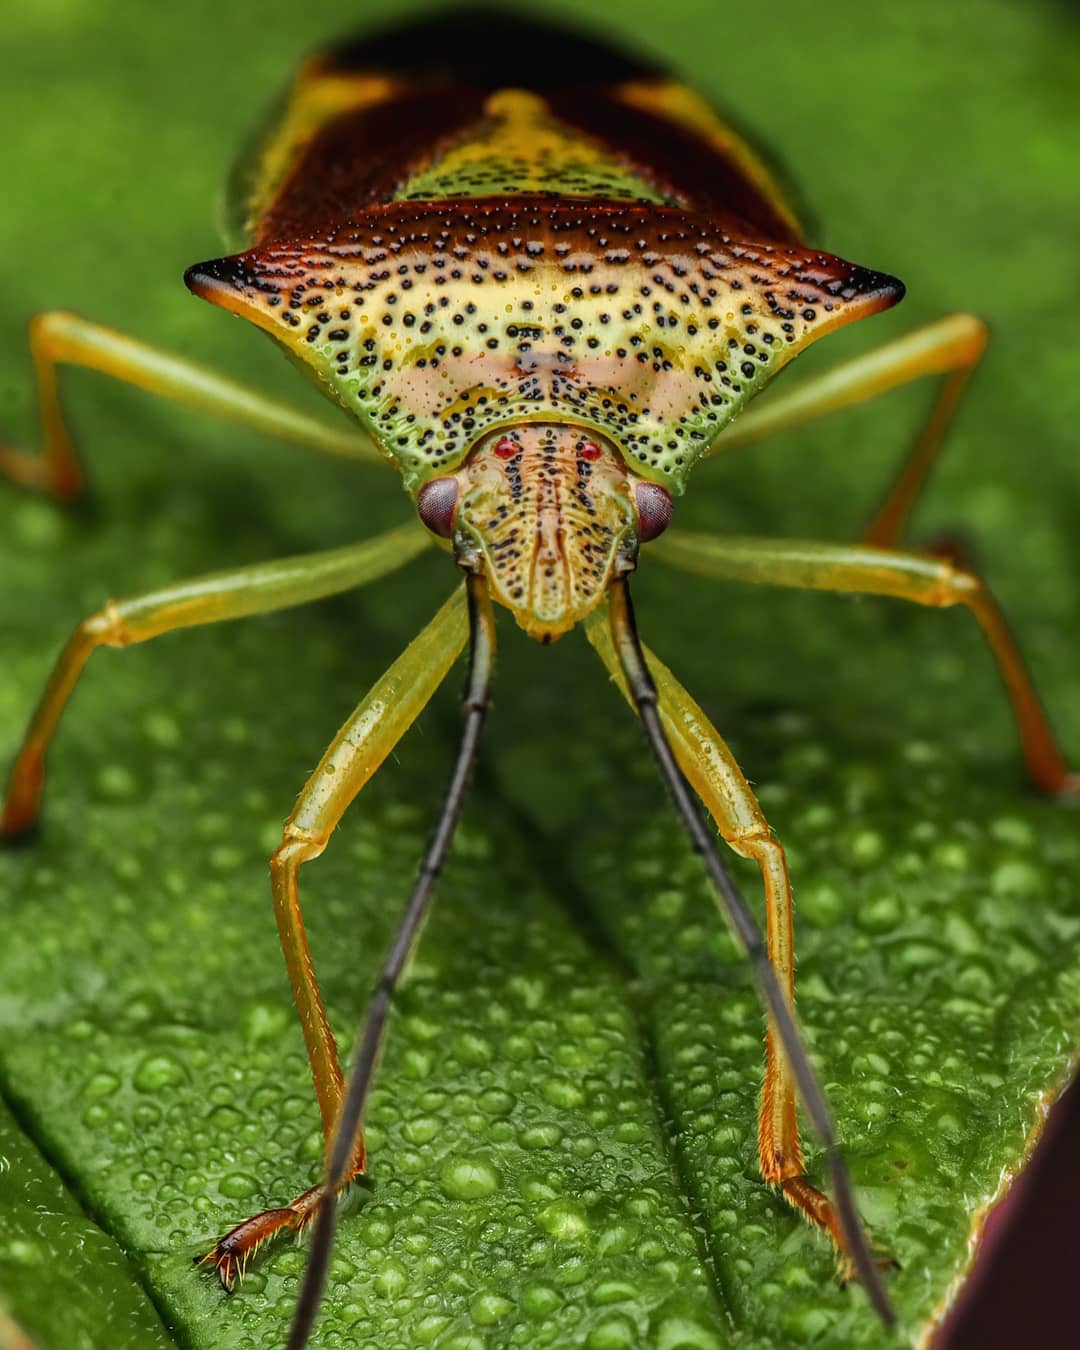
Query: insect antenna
(646, 701)
(343, 1144)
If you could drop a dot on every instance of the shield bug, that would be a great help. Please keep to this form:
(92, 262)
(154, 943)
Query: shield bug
(545, 285)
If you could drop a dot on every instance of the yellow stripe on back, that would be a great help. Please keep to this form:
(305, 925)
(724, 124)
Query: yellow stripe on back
(522, 149)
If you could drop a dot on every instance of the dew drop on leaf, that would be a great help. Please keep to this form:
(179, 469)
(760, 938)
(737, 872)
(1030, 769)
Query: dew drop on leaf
(155, 1073)
(469, 1179)
(238, 1185)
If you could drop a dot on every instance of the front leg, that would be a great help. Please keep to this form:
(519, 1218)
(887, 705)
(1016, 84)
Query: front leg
(354, 755)
(711, 769)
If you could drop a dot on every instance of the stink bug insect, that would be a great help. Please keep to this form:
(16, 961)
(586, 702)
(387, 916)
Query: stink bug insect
(543, 301)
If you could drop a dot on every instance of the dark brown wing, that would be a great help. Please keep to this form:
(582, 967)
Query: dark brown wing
(407, 112)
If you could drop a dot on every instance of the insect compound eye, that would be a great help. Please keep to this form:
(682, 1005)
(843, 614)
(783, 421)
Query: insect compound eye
(654, 509)
(436, 503)
(506, 447)
(590, 450)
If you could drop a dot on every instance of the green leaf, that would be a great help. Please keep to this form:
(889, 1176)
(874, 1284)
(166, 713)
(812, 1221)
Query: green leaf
(563, 1129)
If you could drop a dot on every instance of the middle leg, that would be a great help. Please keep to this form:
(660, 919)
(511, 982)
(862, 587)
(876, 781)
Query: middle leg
(809, 565)
(211, 598)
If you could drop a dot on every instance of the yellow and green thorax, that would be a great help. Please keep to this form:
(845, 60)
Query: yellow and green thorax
(448, 259)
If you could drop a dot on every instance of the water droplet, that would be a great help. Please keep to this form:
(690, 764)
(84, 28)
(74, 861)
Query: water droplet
(377, 1230)
(238, 1185)
(156, 1072)
(564, 1220)
(869, 1062)
(865, 847)
(469, 1179)
(96, 1115)
(421, 1028)
(101, 1085)
(342, 1271)
(163, 729)
(539, 1300)
(613, 1333)
(801, 761)
(921, 752)
(417, 1063)
(880, 914)
(391, 1279)
(822, 904)
(473, 1049)
(953, 855)
(235, 731)
(561, 1092)
(667, 905)
(669, 1332)
(116, 783)
(519, 1048)
(806, 1324)
(226, 857)
(23, 1252)
(963, 936)
(617, 1239)
(421, 1129)
(917, 956)
(613, 1291)
(37, 524)
(540, 1136)
(263, 1021)
(428, 1328)
(486, 1309)
(1012, 830)
(495, 1102)
(1016, 877)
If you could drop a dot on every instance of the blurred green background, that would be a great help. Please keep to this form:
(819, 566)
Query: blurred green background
(563, 1131)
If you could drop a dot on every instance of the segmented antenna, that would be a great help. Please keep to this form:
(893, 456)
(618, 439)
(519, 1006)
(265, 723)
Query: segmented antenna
(643, 692)
(342, 1146)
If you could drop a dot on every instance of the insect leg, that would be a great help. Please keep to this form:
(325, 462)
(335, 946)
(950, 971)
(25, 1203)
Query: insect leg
(340, 1148)
(59, 338)
(206, 599)
(353, 756)
(950, 347)
(907, 576)
(690, 753)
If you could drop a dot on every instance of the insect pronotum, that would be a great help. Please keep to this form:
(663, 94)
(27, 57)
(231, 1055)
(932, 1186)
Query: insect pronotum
(543, 300)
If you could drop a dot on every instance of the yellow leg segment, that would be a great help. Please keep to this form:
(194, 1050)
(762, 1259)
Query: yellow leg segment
(206, 599)
(906, 576)
(712, 772)
(354, 755)
(951, 347)
(59, 338)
